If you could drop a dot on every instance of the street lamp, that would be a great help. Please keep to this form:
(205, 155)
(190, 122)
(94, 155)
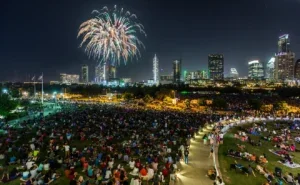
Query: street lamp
(4, 91)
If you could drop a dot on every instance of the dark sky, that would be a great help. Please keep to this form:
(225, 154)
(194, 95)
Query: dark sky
(41, 36)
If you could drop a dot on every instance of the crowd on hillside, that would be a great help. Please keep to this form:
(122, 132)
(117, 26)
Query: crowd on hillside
(99, 144)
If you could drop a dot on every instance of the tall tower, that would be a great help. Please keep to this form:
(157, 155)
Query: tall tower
(85, 74)
(216, 66)
(270, 69)
(155, 70)
(297, 70)
(177, 71)
(284, 62)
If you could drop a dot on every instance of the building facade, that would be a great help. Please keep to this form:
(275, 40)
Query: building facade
(255, 70)
(177, 71)
(216, 67)
(85, 74)
(284, 66)
(270, 69)
(284, 60)
(105, 72)
(284, 44)
(69, 78)
(233, 73)
(297, 70)
(166, 79)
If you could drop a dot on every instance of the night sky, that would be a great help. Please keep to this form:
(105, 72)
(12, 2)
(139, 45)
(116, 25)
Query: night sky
(41, 36)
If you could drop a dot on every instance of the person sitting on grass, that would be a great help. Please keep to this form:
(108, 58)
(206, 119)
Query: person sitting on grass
(249, 171)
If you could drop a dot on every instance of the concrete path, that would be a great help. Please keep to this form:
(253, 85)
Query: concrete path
(195, 172)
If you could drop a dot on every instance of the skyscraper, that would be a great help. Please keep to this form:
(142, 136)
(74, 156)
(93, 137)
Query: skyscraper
(177, 71)
(85, 74)
(255, 70)
(233, 73)
(216, 66)
(112, 71)
(155, 70)
(284, 61)
(284, 44)
(297, 70)
(270, 69)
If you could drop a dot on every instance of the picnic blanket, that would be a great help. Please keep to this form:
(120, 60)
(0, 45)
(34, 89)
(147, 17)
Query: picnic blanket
(294, 165)
(274, 152)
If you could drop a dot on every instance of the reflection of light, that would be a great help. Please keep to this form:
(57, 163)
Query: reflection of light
(4, 91)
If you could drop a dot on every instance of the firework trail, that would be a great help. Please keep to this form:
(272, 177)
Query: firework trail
(111, 35)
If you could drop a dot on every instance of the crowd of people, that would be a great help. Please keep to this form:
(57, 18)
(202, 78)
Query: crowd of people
(100, 144)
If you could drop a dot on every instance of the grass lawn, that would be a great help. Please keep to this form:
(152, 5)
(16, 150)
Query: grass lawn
(232, 177)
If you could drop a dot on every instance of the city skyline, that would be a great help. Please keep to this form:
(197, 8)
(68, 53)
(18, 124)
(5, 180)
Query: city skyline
(50, 44)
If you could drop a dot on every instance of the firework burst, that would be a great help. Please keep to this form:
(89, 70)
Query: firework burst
(111, 35)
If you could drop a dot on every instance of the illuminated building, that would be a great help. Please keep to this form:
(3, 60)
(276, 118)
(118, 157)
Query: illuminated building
(233, 73)
(270, 69)
(166, 79)
(177, 71)
(284, 44)
(297, 70)
(98, 73)
(69, 78)
(155, 70)
(216, 67)
(104, 72)
(255, 70)
(85, 74)
(126, 80)
(284, 61)
(284, 66)
(112, 71)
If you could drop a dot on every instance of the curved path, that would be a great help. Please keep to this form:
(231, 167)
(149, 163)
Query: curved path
(194, 173)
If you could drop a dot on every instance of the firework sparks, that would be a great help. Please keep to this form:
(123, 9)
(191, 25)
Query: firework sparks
(111, 35)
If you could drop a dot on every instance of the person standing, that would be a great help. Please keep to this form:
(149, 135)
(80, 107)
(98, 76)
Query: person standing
(186, 156)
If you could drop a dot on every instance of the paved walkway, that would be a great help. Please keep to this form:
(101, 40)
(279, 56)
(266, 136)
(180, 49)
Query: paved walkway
(194, 173)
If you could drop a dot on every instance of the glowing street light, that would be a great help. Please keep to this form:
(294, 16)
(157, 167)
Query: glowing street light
(4, 91)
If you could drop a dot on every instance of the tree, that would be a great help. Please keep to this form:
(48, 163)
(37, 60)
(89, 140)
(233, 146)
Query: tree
(147, 98)
(282, 105)
(255, 104)
(219, 103)
(6, 104)
(128, 96)
(201, 102)
(187, 103)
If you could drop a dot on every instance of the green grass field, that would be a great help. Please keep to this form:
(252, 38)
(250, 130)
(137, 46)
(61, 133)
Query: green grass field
(232, 177)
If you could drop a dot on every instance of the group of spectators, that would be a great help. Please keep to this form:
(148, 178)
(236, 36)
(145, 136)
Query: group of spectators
(99, 144)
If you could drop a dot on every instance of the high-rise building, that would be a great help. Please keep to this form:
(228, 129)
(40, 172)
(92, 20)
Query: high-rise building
(284, 61)
(270, 69)
(297, 70)
(85, 74)
(177, 71)
(284, 44)
(98, 73)
(216, 66)
(112, 71)
(69, 78)
(233, 73)
(155, 70)
(284, 66)
(105, 72)
(255, 70)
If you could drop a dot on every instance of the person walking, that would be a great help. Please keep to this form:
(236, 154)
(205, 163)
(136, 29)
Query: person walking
(186, 156)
